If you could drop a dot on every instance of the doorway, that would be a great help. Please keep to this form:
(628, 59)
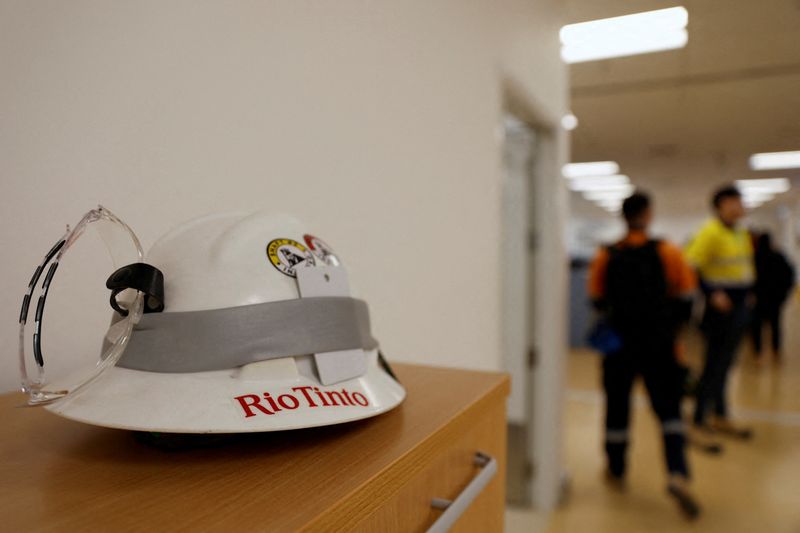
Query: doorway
(519, 152)
(534, 309)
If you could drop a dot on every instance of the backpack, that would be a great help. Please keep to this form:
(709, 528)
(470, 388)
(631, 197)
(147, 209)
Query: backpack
(636, 290)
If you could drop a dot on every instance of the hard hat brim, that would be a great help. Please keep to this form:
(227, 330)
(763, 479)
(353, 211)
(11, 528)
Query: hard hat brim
(222, 402)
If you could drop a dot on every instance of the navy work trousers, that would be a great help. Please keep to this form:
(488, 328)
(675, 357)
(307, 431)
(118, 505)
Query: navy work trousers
(723, 334)
(663, 378)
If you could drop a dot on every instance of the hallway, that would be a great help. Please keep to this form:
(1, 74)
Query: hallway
(753, 486)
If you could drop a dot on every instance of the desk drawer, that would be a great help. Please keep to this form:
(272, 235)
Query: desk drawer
(443, 471)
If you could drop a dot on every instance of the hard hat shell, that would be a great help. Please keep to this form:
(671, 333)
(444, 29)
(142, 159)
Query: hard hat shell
(215, 262)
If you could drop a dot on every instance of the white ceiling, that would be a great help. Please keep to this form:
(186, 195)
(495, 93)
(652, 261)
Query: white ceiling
(681, 122)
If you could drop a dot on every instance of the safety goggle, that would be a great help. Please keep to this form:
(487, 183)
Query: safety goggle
(124, 248)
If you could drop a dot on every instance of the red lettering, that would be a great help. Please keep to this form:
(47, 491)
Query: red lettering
(307, 396)
(254, 401)
(283, 402)
(322, 397)
(251, 404)
(360, 399)
(331, 394)
(271, 402)
(347, 397)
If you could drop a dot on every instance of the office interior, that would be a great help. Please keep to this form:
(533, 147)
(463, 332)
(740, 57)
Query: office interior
(430, 142)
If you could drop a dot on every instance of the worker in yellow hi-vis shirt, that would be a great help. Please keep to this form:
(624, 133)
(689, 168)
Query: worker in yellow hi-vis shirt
(722, 253)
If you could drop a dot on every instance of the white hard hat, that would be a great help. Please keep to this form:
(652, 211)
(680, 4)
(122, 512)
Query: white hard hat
(258, 333)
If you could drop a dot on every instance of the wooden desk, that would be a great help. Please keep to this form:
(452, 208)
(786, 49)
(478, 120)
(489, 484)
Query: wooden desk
(374, 475)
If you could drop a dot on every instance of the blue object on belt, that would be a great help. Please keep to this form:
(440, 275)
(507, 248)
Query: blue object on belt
(604, 338)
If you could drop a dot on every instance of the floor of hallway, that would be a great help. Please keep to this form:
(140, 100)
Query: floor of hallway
(753, 486)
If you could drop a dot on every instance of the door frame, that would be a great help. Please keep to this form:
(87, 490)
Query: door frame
(547, 304)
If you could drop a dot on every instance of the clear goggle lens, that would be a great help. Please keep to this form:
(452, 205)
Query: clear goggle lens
(65, 341)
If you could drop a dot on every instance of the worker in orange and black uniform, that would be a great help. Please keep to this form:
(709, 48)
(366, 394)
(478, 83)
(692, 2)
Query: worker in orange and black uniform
(642, 288)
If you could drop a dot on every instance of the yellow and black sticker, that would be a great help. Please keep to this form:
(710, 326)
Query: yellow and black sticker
(287, 254)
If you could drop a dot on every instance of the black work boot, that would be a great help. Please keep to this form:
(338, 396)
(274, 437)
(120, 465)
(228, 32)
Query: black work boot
(678, 488)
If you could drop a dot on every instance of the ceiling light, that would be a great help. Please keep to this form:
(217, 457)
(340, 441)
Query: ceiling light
(613, 194)
(775, 160)
(757, 196)
(608, 200)
(616, 182)
(638, 33)
(766, 185)
(751, 204)
(611, 203)
(593, 168)
(569, 122)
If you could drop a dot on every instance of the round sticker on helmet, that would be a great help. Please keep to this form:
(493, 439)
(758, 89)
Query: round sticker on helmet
(321, 250)
(287, 254)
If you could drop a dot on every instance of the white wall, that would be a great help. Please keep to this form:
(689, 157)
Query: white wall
(376, 122)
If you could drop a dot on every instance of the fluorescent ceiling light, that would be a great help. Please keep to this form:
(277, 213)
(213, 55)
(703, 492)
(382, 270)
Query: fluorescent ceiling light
(609, 200)
(775, 160)
(569, 122)
(625, 189)
(613, 194)
(752, 204)
(610, 204)
(757, 196)
(766, 185)
(592, 168)
(638, 33)
(620, 48)
(617, 182)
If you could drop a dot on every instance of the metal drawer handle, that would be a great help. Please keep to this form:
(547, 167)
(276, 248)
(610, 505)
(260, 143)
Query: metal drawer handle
(455, 508)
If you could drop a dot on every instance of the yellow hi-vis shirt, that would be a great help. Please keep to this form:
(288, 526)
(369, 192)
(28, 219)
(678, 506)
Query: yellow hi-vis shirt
(722, 255)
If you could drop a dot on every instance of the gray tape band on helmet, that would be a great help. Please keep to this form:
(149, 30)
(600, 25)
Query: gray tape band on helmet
(201, 341)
